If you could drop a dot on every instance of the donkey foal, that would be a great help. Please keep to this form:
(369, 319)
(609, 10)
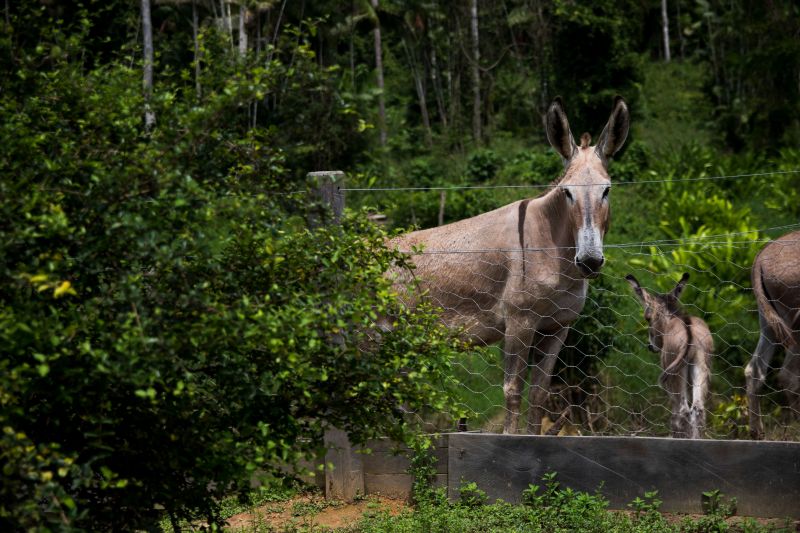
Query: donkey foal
(686, 346)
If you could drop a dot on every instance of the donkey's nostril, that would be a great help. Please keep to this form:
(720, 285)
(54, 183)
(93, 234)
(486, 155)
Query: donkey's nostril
(591, 264)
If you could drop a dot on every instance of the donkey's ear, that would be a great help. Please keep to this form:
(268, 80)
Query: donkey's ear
(557, 127)
(636, 287)
(676, 292)
(616, 131)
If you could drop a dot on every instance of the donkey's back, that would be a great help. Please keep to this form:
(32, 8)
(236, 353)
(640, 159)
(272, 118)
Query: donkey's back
(776, 287)
(776, 284)
(465, 268)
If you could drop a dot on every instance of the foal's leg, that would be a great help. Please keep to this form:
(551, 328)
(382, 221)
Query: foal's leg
(700, 376)
(518, 339)
(755, 373)
(545, 353)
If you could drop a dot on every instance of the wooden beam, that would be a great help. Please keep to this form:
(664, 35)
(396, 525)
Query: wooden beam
(764, 477)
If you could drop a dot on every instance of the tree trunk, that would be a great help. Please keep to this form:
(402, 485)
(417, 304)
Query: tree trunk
(195, 24)
(258, 55)
(442, 200)
(476, 73)
(680, 30)
(242, 29)
(423, 104)
(225, 13)
(352, 50)
(379, 71)
(665, 29)
(437, 87)
(147, 81)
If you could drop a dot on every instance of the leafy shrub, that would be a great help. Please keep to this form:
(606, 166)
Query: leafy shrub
(422, 469)
(482, 165)
(166, 320)
(469, 495)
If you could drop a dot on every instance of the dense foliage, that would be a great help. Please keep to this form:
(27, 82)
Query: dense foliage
(171, 324)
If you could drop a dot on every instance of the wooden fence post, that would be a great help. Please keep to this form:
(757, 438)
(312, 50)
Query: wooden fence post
(344, 472)
(328, 186)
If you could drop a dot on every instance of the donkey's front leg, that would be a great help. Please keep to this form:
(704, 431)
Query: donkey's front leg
(545, 353)
(517, 347)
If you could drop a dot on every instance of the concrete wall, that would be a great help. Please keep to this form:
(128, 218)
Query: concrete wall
(764, 477)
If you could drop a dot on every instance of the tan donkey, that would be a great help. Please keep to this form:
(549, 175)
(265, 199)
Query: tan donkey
(519, 273)
(776, 286)
(685, 345)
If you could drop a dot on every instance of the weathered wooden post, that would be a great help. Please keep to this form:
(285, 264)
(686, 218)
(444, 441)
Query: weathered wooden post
(328, 185)
(344, 472)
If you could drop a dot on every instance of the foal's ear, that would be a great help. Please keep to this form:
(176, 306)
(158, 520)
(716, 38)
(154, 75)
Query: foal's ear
(676, 292)
(557, 128)
(636, 287)
(616, 131)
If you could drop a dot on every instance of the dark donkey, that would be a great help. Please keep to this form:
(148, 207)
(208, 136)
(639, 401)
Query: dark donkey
(776, 286)
(519, 273)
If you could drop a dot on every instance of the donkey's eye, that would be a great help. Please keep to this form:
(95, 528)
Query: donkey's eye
(568, 195)
(605, 193)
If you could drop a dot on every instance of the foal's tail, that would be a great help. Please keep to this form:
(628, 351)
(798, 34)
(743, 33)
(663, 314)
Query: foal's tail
(782, 331)
(679, 361)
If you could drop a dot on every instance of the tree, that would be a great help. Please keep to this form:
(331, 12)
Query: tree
(373, 13)
(164, 314)
(147, 76)
(243, 13)
(665, 29)
(476, 73)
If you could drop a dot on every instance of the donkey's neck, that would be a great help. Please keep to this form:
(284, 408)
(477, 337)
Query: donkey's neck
(550, 221)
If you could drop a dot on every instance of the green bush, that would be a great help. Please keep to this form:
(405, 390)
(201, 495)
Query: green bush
(171, 326)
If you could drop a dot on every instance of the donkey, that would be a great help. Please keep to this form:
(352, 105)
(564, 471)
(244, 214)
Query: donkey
(686, 346)
(776, 286)
(519, 273)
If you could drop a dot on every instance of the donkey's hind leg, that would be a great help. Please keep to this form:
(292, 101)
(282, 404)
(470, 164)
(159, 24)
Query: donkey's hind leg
(755, 373)
(697, 415)
(676, 387)
(545, 353)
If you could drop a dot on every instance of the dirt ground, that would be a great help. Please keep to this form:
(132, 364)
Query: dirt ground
(311, 511)
(315, 513)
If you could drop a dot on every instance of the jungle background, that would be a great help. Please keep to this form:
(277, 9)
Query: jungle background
(166, 305)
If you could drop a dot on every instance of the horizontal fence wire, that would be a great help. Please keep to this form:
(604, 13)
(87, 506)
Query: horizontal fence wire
(704, 240)
(548, 185)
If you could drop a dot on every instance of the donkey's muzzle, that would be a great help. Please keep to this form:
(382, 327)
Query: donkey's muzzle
(590, 266)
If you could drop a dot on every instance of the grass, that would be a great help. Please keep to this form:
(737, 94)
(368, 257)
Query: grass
(552, 508)
(546, 508)
(480, 374)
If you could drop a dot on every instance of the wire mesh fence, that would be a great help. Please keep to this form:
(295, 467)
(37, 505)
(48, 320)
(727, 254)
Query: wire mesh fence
(600, 377)
(605, 381)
